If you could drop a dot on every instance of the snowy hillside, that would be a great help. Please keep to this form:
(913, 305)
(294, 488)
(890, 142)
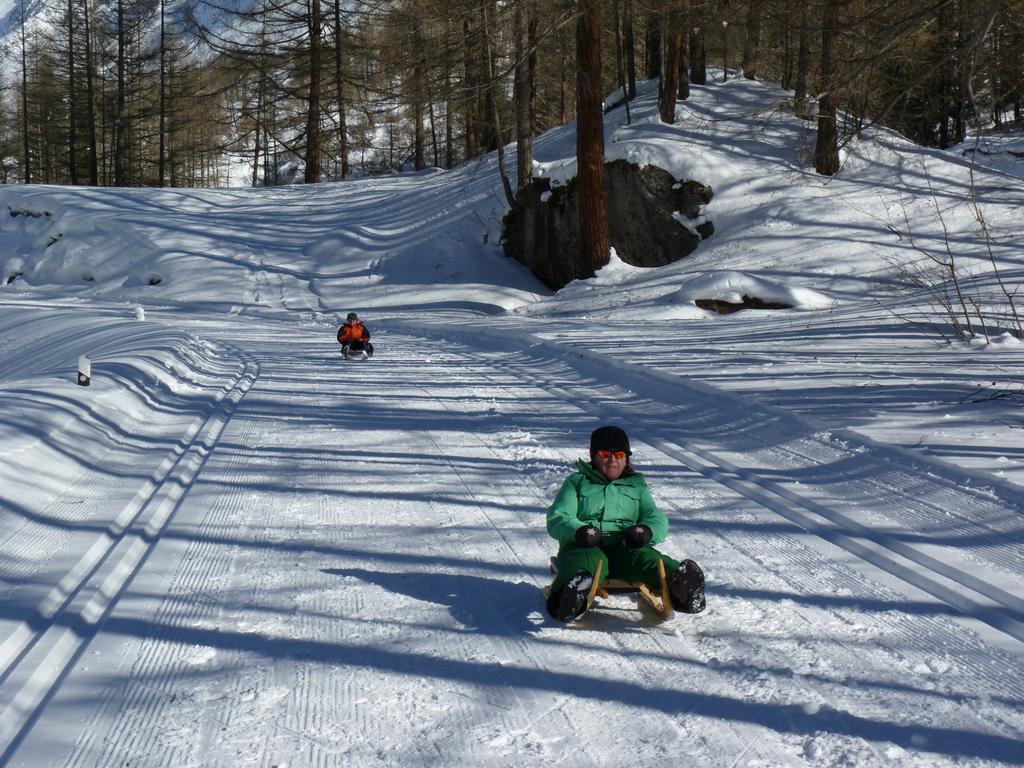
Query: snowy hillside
(234, 548)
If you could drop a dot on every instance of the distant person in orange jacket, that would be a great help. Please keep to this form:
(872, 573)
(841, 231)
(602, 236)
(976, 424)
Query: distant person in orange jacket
(354, 337)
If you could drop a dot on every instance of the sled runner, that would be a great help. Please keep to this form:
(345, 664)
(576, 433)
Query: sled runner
(660, 603)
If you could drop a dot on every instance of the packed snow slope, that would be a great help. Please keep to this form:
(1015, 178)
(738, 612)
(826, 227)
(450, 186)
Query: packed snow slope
(234, 548)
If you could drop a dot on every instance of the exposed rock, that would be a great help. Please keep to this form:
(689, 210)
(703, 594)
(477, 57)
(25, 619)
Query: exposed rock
(646, 213)
(749, 302)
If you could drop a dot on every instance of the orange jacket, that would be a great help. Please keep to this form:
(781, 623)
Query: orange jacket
(354, 332)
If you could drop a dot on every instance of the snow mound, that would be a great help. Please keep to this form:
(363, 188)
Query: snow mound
(731, 286)
(615, 272)
(1000, 150)
(59, 246)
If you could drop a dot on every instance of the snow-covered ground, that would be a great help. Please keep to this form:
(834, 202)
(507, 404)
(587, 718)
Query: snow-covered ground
(234, 548)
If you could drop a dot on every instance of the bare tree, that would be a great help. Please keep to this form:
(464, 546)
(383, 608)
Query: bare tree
(803, 64)
(653, 44)
(471, 80)
(492, 101)
(26, 156)
(162, 130)
(418, 92)
(120, 116)
(312, 173)
(683, 20)
(673, 44)
(339, 91)
(593, 218)
(90, 96)
(826, 149)
(752, 39)
(698, 55)
(629, 42)
(72, 97)
(523, 92)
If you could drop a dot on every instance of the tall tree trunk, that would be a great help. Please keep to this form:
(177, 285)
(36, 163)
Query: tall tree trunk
(620, 68)
(490, 133)
(963, 102)
(312, 174)
(449, 134)
(752, 39)
(419, 89)
(72, 100)
(521, 96)
(629, 42)
(946, 105)
(826, 149)
(261, 153)
(493, 102)
(120, 143)
(725, 51)
(90, 95)
(532, 41)
(803, 64)
(968, 60)
(339, 91)
(472, 91)
(1016, 75)
(433, 132)
(162, 145)
(998, 82)
(669, 83)
(653, 42)
(418, 136)
(683, 88)
(787, 45)
(27, 156)
(563, 80)
(257, 130)
(698, 56)
(593, 217)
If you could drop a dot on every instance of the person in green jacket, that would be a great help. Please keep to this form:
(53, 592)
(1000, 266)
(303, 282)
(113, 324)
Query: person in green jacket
(605, 513)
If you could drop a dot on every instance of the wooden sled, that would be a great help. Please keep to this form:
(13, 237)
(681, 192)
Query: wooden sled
(662, 604)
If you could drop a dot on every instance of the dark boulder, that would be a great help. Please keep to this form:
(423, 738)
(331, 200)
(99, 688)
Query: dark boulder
(746, 302)
(644, 206)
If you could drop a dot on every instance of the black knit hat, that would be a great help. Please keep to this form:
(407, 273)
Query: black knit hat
(351, 316)
(610, 439)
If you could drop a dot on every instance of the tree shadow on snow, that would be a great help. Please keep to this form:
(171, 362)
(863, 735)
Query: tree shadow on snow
(491, 606)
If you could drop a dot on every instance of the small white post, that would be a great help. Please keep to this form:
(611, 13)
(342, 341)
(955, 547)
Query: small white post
(84, 370)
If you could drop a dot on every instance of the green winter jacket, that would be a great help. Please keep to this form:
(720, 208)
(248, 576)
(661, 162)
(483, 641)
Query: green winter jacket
(587, 498)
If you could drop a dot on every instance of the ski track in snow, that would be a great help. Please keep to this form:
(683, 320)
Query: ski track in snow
(62, 625)
(287, 607)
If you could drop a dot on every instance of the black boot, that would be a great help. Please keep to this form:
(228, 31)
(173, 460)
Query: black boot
(686, 590)
(570, 602)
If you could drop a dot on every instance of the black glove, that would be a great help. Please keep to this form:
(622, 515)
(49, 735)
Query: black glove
(588, 536)
(635, 536)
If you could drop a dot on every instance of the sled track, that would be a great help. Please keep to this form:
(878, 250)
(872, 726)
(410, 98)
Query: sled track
(688, 644)
(645, 652)
(975, 597)
(238, 532)
(978, 592)
(75, 507)
(43, 649)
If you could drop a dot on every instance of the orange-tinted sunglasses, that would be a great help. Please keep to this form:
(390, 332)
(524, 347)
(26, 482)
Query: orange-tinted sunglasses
(604, 454)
